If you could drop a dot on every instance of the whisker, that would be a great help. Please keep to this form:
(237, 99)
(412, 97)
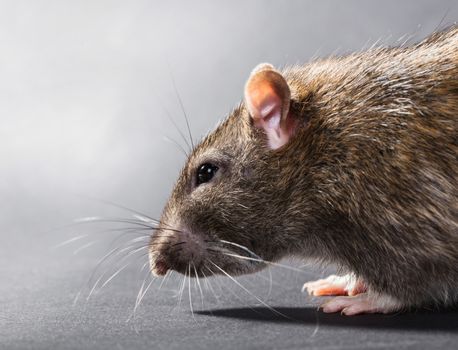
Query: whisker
(140, 239)
(68, 241)
(87, 245)
(262, 261)
(170, 140)
(268, 279)
(93, 288)
(241, 247)
(130, 241)
(249, 292)
(136, 221)
(237, 296)
(125, 231)
(142, 294)
(181, 290)
(181, 105)
(98, 219)
(270, 285)
(121, 207)
(166, 277)
(99, 263)
(217, 281)
(145, 218)
(232, 292)
(169, 116)
(131, 229)
(91, 219)
(145, 265)
(256, 259)
(157, 243)
(199, 286)
(105, 257)
(189, 292)
(77, 296)
(114, 275)
(208, 285)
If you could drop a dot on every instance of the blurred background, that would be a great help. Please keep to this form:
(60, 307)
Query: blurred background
(88, 106)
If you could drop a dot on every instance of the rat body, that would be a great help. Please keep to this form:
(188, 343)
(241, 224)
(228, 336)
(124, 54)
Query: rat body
(347, 160)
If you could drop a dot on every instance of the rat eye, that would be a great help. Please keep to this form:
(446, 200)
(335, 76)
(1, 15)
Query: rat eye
(205, 173)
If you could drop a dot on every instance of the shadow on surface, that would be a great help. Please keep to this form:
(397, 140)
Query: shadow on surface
(420, 320)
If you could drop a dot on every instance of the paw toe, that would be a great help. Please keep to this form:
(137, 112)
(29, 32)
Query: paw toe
(361, 304)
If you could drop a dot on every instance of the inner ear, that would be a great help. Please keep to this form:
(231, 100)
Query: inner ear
(267, 98)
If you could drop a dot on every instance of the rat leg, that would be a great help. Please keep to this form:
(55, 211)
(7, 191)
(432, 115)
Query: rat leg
(365, 303)
(335, 285)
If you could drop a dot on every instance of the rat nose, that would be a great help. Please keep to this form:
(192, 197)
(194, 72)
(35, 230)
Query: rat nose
(159, 268)
(176, 252)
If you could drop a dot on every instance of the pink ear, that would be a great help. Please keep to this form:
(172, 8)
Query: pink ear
(267, 98)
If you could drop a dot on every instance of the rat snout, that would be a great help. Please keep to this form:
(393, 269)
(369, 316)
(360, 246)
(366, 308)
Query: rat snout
(182, 251)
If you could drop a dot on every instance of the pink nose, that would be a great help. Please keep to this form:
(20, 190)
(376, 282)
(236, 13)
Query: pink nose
(161, 268)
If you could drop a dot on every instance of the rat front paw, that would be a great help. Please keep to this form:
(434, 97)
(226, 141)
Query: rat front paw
(335, 285)
(364, 303)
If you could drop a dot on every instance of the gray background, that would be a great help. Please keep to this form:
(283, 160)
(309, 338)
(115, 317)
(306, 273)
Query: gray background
(86, 88)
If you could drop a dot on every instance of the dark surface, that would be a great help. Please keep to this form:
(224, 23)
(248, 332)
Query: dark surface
(41, 313)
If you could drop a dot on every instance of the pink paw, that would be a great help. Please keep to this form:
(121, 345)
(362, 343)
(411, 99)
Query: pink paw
(335, 285)
(364, 303)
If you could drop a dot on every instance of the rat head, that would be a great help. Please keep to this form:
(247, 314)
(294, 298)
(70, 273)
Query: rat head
(227, 208)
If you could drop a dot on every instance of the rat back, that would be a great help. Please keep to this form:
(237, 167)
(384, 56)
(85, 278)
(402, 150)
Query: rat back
(383, 140)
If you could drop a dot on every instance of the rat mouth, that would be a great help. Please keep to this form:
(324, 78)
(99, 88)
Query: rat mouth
(198, 255)
(161, 267)
(183, 252)
(229, 264)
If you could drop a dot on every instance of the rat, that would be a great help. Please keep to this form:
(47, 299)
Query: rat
(348, 160)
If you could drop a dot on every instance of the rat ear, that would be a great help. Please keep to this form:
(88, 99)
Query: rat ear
(267, 98)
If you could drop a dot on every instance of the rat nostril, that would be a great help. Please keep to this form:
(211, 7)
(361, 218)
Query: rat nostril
(161, 267)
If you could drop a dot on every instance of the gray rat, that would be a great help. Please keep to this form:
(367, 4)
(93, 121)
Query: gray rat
(347, 160)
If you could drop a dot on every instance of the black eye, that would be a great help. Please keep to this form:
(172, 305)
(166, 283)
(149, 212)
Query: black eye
(205, 173)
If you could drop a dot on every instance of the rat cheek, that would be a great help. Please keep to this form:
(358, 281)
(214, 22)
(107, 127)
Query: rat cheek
(247, 172)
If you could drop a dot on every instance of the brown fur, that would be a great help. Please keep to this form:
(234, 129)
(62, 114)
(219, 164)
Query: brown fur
(368, 181)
